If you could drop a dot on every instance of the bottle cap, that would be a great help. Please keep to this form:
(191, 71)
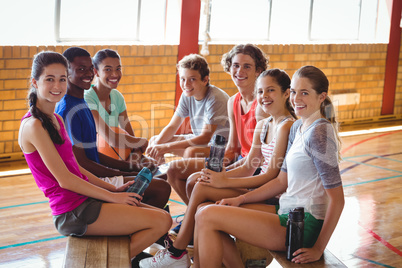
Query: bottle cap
(220, 140)
(146, 173)
(296, 214)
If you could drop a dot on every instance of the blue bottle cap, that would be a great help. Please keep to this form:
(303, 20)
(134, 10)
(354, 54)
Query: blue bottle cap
(146, 173)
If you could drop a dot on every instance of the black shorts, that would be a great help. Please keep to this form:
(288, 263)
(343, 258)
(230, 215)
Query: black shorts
(76, 221)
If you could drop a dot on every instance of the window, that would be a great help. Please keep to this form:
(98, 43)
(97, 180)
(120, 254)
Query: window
(298, 21)
(49, 22)
(236, 19)
(22, 22)
(104, 20)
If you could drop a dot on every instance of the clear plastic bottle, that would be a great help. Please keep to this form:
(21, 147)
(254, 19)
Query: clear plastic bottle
(215, 160)
(294, 231)
(141, 182)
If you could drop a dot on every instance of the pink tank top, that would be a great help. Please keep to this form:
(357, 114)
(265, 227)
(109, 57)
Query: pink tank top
(60, 200)
(245, 124)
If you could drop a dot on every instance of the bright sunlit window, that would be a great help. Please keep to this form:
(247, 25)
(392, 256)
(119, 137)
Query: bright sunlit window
(51, 22)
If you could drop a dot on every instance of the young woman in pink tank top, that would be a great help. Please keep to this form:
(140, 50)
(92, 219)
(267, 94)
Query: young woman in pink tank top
(81, 203)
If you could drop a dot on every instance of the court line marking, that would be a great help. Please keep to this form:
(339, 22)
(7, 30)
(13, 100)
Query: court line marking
(33, 242)
(364, 182)
(26, 204)
(374, 262)
(387, 158)
(368, 139)
(381, 240)
(374, 166)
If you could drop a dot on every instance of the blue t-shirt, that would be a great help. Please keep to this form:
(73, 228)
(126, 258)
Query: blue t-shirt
(80, 124)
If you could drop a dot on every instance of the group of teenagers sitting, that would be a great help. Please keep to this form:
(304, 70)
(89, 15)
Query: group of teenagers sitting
(283, 152)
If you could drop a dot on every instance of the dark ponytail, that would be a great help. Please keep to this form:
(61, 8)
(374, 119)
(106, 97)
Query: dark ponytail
(42, 60)
(283, 80)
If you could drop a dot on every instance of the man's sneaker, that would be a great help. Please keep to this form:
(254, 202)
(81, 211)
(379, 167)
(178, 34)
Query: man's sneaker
(175, 230)
(164, 259)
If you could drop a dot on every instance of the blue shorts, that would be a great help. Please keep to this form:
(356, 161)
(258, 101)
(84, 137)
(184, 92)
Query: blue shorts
(312, 227)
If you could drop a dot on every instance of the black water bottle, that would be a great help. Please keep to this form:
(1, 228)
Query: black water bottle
(215, 160)
(294, 231)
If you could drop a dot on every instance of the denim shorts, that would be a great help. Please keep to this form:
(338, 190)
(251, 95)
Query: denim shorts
(76, 222)
(312, 227)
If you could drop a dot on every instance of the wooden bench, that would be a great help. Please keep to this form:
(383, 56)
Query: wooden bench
(249, 252)
(327, 260)
(97, 252)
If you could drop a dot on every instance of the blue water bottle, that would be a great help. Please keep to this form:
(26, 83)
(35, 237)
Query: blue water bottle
(141, 182)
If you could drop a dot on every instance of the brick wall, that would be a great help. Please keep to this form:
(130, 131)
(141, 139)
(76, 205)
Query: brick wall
(148, 82)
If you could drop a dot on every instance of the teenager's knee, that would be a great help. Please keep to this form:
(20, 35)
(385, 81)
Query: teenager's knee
(174, 171)
(205, 215)
(191, 182)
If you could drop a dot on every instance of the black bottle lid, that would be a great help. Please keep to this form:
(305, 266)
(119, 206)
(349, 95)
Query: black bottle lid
(296, 214)
(220, 140)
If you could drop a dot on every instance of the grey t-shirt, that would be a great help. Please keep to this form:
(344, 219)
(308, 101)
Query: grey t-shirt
(312, 166)
(211, 110)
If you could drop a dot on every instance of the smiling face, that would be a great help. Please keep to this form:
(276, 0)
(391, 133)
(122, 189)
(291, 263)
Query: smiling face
(81, 72)
(109, 72)
(243, 71)
(304, 98)
(192, 84)
(270, 96)
(52, 83)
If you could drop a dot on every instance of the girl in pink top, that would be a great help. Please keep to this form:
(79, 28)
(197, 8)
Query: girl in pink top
(81, 203)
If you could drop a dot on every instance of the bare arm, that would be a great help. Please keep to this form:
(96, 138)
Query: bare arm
(124, 123)
(334, 210)
(233, 145)
(37, 138)
(117, 139)
(265, 192)
(238, 178)
(161, 148)
(169, 131)
(114, 168)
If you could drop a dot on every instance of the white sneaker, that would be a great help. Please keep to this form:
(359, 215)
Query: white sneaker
(164, 259)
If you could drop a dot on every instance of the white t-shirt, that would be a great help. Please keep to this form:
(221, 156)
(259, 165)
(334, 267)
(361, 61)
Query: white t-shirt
(312, 166)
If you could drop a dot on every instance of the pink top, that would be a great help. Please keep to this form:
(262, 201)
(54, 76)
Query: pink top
(60, 200)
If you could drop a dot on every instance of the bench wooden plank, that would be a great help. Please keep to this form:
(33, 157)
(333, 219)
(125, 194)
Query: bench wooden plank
(76, 251)
(250, 252)
(118, 251)
(97, 252)
(327, 260)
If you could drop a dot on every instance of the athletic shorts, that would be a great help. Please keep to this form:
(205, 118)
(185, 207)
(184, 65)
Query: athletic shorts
(76, 222)
(312, 227)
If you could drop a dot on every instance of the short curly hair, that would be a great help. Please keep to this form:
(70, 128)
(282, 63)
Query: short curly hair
(259, 57)
(194, 62)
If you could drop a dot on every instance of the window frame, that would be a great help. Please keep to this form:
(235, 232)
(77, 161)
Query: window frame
(59, 39)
